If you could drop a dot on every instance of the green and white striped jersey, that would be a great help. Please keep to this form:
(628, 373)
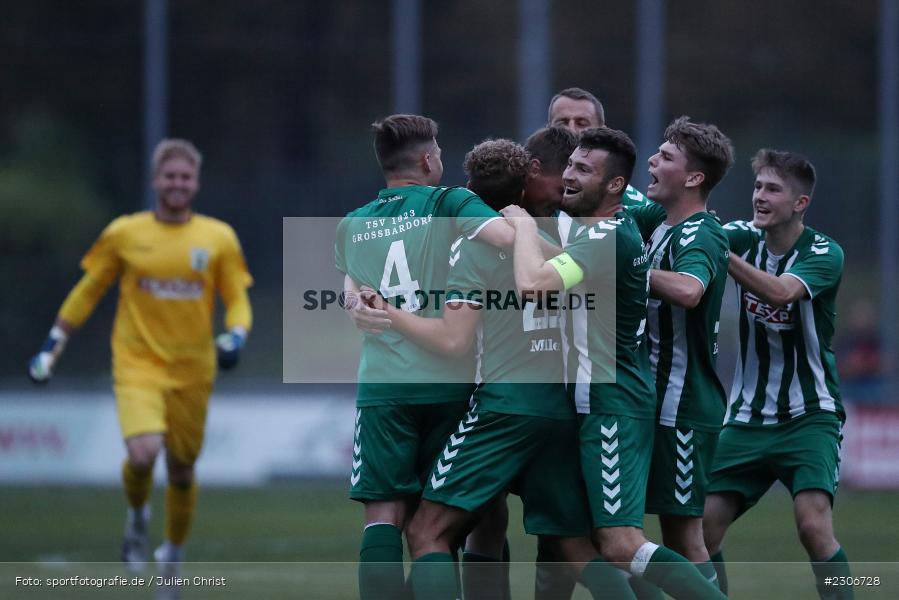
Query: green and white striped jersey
(683, 343)
(519, 346)
(398, 244)
(607, 369)
(786, 367)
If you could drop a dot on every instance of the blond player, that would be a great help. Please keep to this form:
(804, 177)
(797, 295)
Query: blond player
(169, 263)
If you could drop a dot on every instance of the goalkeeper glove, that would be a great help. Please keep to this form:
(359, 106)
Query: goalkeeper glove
(40, 367)
(229, 345)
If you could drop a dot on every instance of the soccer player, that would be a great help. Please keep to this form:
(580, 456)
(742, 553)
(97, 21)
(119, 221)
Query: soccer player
(548, 150)
(169, 263)
(784, 416)
(608, 372)
(521, 430)
(577, 109)
(398, 244)
(687, 252)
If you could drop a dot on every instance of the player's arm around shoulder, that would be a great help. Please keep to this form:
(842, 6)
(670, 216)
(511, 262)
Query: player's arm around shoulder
(700, 254)
(451, 334)
(533, 273)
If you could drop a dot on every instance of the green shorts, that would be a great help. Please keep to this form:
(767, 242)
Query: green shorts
(615, 455)
(395, 446)
(534, 457)
(679, 475)
(804, 454)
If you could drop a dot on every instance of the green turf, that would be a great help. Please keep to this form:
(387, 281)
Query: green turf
(314, 522)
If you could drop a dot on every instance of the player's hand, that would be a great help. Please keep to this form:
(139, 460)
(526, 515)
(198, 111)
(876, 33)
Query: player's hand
(229, 345)
(40, 367)
(517, 216)
(366, 317)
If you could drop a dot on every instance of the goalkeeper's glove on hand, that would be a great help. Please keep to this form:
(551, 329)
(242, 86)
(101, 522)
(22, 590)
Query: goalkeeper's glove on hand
(40, 367)
(228, 346)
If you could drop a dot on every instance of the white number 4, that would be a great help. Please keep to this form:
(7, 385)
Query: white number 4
(406, 286)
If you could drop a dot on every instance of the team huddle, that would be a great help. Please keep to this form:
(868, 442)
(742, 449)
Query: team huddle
(593, 394)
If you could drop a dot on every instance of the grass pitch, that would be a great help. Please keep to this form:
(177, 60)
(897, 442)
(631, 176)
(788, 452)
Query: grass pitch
(300, 540)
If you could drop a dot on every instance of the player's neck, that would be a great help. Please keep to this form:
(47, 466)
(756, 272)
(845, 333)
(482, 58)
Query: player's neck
(606, 210)
(782, 237)
(405, 180)
(683, 207)
(165, 215)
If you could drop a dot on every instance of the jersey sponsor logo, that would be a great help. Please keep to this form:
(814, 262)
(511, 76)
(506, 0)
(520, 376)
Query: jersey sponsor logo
(544, 345)
(172, 289)
(772, 317)
(199, 259)
(641, 259)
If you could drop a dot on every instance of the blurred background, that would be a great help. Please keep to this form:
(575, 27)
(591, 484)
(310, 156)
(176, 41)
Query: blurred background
(278, 96)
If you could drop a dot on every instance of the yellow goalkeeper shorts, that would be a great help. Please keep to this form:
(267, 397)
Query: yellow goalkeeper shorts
(179, 413)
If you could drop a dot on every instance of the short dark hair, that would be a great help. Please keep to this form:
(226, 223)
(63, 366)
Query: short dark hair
(791, 166)
(551, 146)
(497, 171)
(621, 149)
(397, 136)
(576, 93)
(707, 149)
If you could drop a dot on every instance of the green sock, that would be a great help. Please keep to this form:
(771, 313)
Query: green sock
(381, 563)
(644, 590)
(835, 566)
(708, 571)
(553, 580)
(482, 577)
(603, 580)
(718, 561)
(678, 577)
(434, 577)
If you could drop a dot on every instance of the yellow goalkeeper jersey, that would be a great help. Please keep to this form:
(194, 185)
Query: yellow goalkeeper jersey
(169, 273)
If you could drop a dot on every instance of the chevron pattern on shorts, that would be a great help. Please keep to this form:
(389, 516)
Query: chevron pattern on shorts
(683, 474)
(611, 469)
(445, 460)
(356, 473)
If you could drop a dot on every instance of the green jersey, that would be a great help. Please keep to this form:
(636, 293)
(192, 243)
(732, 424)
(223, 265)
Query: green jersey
(397, 244)
(683, 343)
(786, 367)
(519, 346)
(607, 369)
(633, 198)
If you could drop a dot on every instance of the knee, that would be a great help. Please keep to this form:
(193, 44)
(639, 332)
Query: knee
(617, 550)
(416, 534)
(816, 535)
(142, 457)
(180, 475)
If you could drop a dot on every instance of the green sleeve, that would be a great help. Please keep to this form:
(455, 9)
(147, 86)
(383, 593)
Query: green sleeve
(468, 210)
(595, 248)
(647, 216)
(339, 245)
(633, 198)
(465, 278)
(697, 250)
(819, 266)
(741, 236)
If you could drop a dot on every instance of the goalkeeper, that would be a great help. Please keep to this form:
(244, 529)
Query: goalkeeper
(169, 263)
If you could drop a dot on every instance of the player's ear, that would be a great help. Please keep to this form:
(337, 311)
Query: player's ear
(802, 203)
(534, 168)
(694, 179)
(616, 185)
